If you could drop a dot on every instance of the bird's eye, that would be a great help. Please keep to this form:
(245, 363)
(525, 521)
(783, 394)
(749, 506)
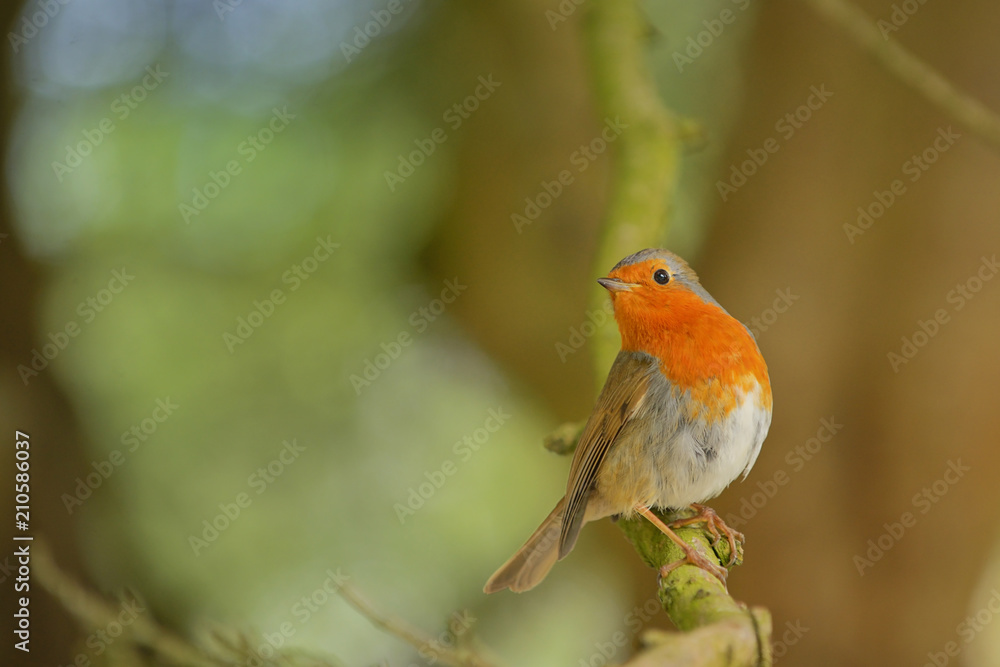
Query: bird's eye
(661, 276)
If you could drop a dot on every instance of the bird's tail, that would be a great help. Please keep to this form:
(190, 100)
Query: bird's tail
(532, 562)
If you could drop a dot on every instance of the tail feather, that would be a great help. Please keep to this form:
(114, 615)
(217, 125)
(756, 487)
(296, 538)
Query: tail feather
(532, 562)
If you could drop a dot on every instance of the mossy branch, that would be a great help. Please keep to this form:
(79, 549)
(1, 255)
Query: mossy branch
(645, 156)
(717, 630)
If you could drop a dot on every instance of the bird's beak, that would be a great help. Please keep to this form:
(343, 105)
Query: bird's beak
(614, 285)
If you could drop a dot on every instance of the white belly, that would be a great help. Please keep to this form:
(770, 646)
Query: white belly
(701, 460)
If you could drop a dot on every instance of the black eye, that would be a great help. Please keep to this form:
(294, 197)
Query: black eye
(661, 277)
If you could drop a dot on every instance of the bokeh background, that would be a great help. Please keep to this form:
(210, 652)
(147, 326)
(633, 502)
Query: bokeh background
(118, 115)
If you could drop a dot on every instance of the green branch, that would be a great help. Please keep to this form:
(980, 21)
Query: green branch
(717, 630)
(646, 155)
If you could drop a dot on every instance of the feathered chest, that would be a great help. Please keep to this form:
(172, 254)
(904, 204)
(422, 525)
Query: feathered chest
(703, 352)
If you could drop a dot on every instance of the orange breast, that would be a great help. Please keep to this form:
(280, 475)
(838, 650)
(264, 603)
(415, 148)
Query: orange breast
(701, 349)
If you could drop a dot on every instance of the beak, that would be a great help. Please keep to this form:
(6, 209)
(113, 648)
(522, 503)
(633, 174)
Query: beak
(614, 285)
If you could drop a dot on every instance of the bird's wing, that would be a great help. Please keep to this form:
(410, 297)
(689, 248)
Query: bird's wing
(622, 397)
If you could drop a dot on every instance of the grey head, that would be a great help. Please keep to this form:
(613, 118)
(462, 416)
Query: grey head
(678, 268)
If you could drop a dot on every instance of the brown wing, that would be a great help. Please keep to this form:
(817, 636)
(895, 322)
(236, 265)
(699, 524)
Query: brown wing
(623, 394)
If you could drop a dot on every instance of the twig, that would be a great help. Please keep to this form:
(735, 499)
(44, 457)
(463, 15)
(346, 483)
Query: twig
(397, 627)
(563, 440)
(912, 71)
(161, 646)
(94, 612)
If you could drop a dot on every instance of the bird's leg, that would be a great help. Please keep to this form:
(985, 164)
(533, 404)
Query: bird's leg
(715, 525)
(691, 555)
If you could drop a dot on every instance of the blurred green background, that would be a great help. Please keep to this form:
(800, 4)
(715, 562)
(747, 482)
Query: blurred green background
(242, 291)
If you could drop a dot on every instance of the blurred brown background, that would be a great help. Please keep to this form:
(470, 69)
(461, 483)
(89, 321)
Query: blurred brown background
(783, 232)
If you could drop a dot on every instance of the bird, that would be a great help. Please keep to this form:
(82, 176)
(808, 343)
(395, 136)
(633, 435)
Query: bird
(684, 412)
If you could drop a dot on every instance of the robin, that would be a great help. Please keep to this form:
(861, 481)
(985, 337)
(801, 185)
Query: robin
(683, 413)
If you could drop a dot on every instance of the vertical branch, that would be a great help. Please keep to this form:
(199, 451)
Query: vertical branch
(645, 155)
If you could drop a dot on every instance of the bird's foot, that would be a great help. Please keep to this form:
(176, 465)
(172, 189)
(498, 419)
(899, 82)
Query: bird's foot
(691, 555)
(715, 525)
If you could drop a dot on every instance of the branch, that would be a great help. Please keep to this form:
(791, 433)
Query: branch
(716, 630)
(94, 612)
(646, 155)
(563, 440)
(458, 656)
(230, 649)
(161, 647)
(912, 71)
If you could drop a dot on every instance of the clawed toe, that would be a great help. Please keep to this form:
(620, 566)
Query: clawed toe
(715, 526)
